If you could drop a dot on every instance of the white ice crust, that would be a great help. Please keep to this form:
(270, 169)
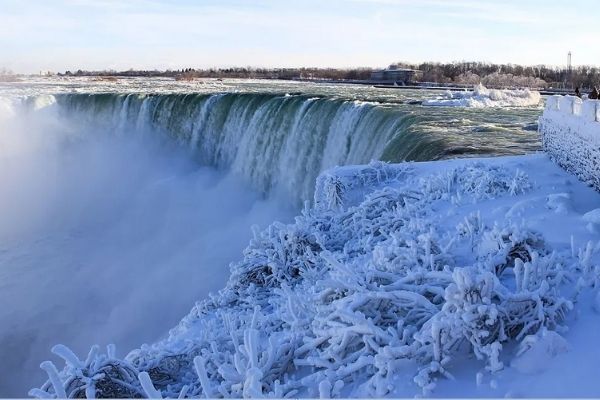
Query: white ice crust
(570, 130)
(482, 97)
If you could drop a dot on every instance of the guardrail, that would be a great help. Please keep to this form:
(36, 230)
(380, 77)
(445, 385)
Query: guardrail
(588, 110)
(570, 133)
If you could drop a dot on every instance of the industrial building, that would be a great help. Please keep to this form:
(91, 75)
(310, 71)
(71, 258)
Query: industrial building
(393, 75)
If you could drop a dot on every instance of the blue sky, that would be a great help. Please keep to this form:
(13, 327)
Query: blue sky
(101, 34)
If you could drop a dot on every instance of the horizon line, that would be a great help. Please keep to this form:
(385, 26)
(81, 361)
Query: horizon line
(295, 67)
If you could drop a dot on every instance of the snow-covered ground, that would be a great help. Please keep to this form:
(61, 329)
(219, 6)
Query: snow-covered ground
(482, 97)
(456, 278)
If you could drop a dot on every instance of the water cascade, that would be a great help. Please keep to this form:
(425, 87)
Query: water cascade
(277, 143)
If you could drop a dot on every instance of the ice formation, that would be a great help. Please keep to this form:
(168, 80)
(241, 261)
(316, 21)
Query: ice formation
(395, 268)
(482, 97)
(570, 129)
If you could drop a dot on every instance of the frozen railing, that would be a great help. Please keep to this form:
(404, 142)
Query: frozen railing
(570, 131)
(588, 110)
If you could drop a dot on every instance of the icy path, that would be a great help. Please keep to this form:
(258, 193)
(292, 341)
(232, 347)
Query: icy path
(453, 278)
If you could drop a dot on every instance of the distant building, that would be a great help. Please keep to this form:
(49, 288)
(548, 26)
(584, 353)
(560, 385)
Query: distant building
(390, 75)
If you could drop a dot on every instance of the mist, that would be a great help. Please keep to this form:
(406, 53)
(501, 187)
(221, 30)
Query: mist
(106, 238)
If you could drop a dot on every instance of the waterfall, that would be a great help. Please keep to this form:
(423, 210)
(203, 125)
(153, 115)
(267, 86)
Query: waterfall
(277, 143)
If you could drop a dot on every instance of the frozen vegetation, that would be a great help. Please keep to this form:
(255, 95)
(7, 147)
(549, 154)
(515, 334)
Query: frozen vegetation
(482, 97)
(450, 278)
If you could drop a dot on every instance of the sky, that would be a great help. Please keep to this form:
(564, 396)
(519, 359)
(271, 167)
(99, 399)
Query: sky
(59, 35)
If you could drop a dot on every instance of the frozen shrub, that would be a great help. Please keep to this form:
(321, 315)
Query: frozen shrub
(344, 294)
(100, 375)
(502, 247)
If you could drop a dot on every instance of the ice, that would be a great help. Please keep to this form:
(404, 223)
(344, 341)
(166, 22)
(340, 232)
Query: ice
(570, 131)
(148, 387)
(482, 97)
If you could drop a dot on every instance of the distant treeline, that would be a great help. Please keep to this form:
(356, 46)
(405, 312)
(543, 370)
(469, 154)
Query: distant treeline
(462, 73)
(241, 72)
(506, 74)
(6, 75)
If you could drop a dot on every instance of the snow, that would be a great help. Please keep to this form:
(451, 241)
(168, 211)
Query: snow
(559, 202)
(593, 220)
(570, 130)
(451, 278)
(570, 112)
(482, 97)
(537, 351)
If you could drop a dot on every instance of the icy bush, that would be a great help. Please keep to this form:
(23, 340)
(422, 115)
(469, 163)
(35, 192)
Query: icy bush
(332, 304)
(341, 187)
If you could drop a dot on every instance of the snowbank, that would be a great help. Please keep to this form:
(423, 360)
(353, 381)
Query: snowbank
(570, 129)
(482, 97)
(399, 279)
